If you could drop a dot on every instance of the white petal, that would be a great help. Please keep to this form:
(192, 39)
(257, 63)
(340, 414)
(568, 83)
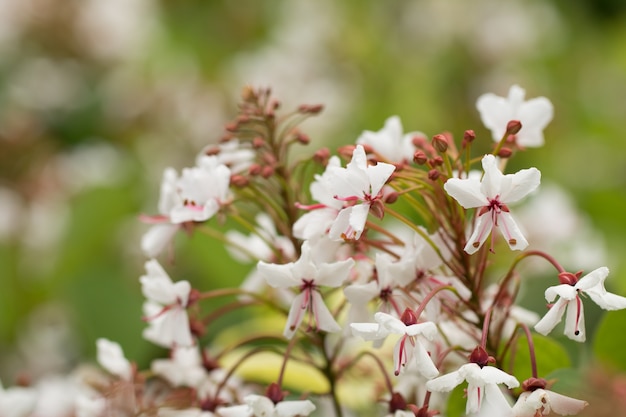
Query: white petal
(360, 294)
(535, 114)
(427, 329)
(323, 317)
(391, 323)
(563, 405)
(575, 320)
(334, 274)
(260, 405)
(563, 290)
(511, 232)
(424, 362)
(278, 276)
(445, 382)
(495, 403)
(111, 357)
(552, 317)
(481, 232)
(606, 300)
(294, 408)
(369, 331)
(475, 395)
(493, 375)
(494, 113)
(378, 176)
(491, 185)
(296, 314)
(314, 223)
(593, 279)
(466, 191)
(519, 185)
(157, 238)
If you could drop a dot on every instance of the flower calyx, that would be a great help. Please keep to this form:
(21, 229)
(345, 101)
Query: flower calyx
(397, 403)
(408, 317)
(532, 384)
(275, 393)
(480, 357)
(569, 278)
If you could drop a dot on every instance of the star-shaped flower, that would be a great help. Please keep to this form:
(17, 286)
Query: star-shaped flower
(166, 307)
(569, 292)
(491, 196)
(359, 184)
(308, 274)
(408, 347)
(535, 114)
(390, 141)
(482, 389)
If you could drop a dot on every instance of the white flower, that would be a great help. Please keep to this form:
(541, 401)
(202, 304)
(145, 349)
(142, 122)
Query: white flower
(535, 114)
(492, 195)
(361, 185)
(482, 387)
(408, 347)
(308, 275)
(111, 357)
(543, 402)
(264, 407)
(202, 190)
(258, 243)
(184, 369)
(166, 307)
(592, 285)
(235, 155)
(390, 142)
(17, 401)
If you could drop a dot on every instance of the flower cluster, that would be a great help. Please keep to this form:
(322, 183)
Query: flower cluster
(392, 238)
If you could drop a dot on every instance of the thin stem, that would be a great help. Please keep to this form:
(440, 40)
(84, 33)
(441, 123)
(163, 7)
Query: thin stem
(487, 319)
(531, 348)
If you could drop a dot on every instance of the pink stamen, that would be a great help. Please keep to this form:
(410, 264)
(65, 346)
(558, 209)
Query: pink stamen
(310, 207)
(578, 308)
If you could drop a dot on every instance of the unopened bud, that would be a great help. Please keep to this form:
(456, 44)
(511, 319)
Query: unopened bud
(231, 127)
(248, 93)
(480, 357)
(377, 208)
(436, 161)
(469, 136)
(255, 169)
(408, 317)
(433, 174)
(346, 151)
(420, 158)
(213, 150)
(396, 403)
(440, 143)
(391, 198)
(258, 142)
(418, 141)
(321, 156)
(513, 127)
(267, 171)
(505, 153)
(275, 393)
(239, 181)
(568, 278)
(302, 138)
(275, 104)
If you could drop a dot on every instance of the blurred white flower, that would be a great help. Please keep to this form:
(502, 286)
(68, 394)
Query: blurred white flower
(390, 141)
(184, 369)
(111, 357)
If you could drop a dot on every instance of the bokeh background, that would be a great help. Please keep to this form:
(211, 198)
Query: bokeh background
(97, 97)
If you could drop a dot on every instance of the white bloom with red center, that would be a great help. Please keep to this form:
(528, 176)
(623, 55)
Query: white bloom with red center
(111, 357)
(543, 402)
(166, 307)
(202, 190)
(360, 185)
(408, 348)
(390, 141)
(535, 114)
(482, 389)
(308, 274)
(491, 196)
(261, 406)
(569, 300)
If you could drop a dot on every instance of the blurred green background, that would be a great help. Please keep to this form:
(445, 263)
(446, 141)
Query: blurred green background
(98, 97)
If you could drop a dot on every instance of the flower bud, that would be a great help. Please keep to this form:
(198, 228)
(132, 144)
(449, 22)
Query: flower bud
(505, 153)
(469, 136)
(513, 127)
(408, 317)
(391, 198)
(310, 109)
(255, 169)
(267, 171)
(377, 208)
(302, 138)
(420, 158)
(396, 403)
(433, 174)
(532, 384)
(436, 161)
(258, 142)
(239, 181)
(321, 156)
(440, 143)
(480, 357)
(275, 393)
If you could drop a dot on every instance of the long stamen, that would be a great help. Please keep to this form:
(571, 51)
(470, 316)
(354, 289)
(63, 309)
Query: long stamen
(578, 308)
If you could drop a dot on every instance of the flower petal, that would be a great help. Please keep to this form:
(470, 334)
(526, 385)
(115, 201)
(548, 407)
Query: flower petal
(516, 186)
(466, 191)
(511, 232)
(563, 405)
(323, 317)
(294, 408)
(552, 317)
(575, 320)
(445, 382)
(482, 229)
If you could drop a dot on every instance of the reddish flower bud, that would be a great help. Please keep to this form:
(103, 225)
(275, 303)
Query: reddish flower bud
(440, 143)
(391, 198)
(480, 357)
(346, 151)
(505, 153)
(513, 127)
(433, 174)
(302, 138)
(267, 171)
(469, 136)
(436, 161)
(213, 150)
(419, 141)
(396, 403)
(239, 181)
(408, 317)
(569, 278)
(258, 142)
(420, 158)
(322, 156)
(255, 169)
(275, 393)
(377, 208)
(310, 109)
(231, 127)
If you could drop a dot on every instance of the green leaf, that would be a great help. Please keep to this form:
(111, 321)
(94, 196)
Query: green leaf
(550, 356)
(457, 401)
(610, 340)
